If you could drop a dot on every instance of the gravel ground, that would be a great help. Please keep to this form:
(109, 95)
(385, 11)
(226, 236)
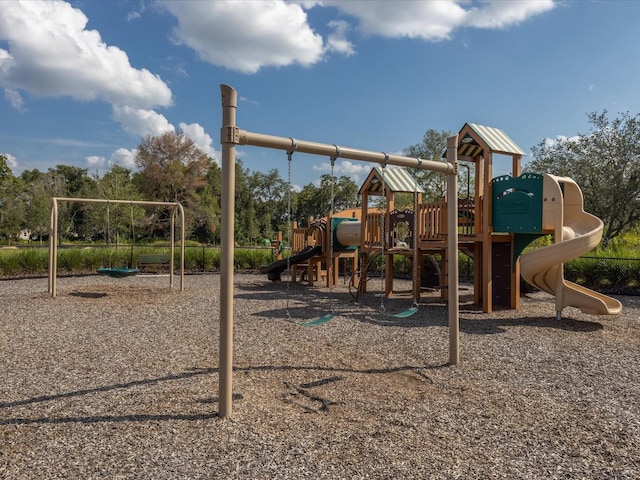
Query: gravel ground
(118, 379)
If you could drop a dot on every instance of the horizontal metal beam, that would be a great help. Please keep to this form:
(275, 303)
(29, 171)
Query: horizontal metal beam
(125, 202)
(243, 137)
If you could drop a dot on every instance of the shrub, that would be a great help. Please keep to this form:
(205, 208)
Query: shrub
(33, 260)
(9, 262)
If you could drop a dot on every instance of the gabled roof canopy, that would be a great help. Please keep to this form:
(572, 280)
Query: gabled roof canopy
(474, 139)
(396, 180)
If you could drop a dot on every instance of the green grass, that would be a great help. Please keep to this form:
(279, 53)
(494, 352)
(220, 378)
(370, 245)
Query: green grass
(614, 269)
(35, 261)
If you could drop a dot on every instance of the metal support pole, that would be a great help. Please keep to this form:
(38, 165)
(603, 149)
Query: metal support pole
(53, 247)
(182, 234)
(172, 245)
(452, 250)
(228, 138)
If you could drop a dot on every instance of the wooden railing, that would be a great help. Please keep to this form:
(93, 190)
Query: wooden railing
(432, 220)
(373, 235)
(432, 224)
(299, 240)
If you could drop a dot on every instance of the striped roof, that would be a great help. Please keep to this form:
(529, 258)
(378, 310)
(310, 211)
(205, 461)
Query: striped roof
(397, 179)
(493, 138)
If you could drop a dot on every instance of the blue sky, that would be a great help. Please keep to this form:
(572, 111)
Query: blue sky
(84, 81)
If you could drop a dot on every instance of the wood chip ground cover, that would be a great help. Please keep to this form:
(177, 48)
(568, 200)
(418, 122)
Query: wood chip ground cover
(118, 379)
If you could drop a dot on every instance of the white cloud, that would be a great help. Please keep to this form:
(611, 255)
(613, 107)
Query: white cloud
(121, 157)
(12, 162)
(52, 54)
(95, 161)
(141, 122)
(249, 36)
(201, 138)
(125, 158)
(433, 20)
(356, 170)
(501, 14)
(337, 41)
(15, 99)
(246, 36)
(551, 142)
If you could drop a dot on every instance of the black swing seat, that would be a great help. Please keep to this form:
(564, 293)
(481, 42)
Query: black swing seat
(118, 272)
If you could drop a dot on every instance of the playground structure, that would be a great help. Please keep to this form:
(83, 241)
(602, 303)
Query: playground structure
(175, 208)
(494, 226)
(505, 214)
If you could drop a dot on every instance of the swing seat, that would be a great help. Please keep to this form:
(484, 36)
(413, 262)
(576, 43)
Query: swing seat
(318, 321)
(406, 313)
(118, 272)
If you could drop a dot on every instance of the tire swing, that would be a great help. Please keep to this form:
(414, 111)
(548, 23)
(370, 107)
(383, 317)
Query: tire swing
(119, 272)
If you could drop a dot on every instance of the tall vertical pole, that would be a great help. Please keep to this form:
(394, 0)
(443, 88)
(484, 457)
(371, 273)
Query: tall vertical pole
(53, 246)
(228, 140)
(452, 252)
(181, 210)
(172, 246)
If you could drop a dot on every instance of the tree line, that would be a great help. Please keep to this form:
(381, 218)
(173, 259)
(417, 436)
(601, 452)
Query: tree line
(169, 168)
(605, 162)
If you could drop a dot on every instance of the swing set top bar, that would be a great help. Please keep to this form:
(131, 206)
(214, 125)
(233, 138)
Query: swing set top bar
(242, 137)
(125, 202)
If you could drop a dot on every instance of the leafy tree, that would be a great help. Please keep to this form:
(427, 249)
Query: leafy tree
(71, 182)
(315, 201)
(39, 188)
(271, 193)
(172, 168)
(76, 181)
(115, 184)
(207, 214)
(246, 225)
(432, 147)
(306, 206)
(346, 194)
(605, 163)
(12, 207)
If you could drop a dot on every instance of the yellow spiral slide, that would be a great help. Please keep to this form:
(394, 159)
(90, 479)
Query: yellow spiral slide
(576, 232)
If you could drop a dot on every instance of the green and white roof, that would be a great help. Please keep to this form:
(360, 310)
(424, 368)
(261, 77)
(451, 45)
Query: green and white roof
(474, 138)
(397, 179)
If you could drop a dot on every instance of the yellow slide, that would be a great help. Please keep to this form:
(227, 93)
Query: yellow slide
(576, 232)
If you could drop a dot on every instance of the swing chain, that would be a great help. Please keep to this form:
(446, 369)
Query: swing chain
(294, 147)
(330, 226)
(384, 234)
(417, 258)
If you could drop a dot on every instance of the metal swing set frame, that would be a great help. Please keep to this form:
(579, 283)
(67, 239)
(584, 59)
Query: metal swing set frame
(231, 136)
(175, 208)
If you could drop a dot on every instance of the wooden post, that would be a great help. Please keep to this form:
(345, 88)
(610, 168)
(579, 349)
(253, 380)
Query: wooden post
(487, 237)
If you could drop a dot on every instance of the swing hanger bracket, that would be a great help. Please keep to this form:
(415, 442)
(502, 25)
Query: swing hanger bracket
(335, 156)
(385, 162)
(230, 134)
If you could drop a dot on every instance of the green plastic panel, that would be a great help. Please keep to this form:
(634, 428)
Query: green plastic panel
(517, 203)
(337, 246)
